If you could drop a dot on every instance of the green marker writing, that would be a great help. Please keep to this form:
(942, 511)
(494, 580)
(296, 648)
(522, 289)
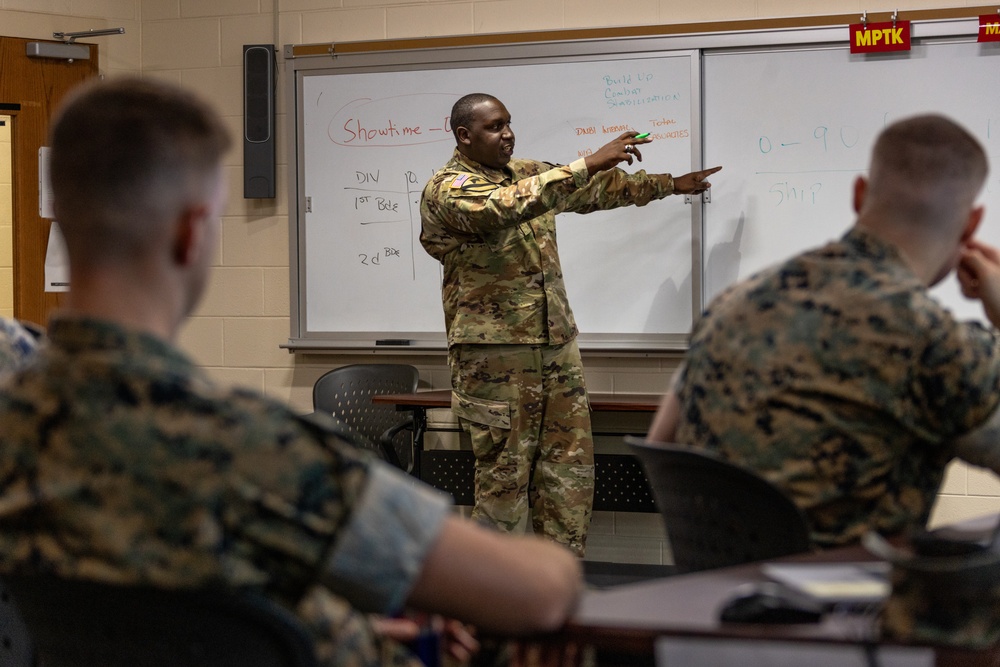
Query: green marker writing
(641, 136)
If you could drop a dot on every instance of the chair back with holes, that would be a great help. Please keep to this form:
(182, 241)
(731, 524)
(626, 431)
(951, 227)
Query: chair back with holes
(716, 513)
(346, 393)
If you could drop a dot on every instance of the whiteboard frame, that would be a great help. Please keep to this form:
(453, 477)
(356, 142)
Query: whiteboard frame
(457, 57)
(699, 43)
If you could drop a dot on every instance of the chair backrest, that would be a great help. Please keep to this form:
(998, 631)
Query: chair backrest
(76, 623)
(346, 393)
(716, 513)
(16, 649)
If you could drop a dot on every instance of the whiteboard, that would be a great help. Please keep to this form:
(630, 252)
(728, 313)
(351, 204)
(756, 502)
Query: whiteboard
(790, 114)
(795, 127)
(370, 140)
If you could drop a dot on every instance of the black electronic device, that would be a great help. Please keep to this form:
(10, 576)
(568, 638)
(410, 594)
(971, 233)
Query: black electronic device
(770, 602)
(258, 121)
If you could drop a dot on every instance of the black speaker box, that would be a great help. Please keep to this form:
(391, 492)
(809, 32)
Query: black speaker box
(259, 69)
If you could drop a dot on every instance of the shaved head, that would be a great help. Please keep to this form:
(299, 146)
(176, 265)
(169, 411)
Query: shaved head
(925, 171)
(462, 113)
(127, 156)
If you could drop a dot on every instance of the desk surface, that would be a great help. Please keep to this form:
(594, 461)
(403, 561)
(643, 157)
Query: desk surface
(599, 402)
(631, 617)
(627, 620)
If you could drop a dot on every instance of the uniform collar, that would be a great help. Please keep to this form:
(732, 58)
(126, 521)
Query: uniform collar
(871, 245)
(76, 334)
(489, 173)
(880, 252)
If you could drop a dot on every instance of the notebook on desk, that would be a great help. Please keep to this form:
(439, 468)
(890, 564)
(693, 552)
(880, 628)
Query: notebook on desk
(835, 584)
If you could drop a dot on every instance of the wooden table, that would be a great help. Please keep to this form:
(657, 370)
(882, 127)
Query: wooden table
(620, 483)
(599, 402)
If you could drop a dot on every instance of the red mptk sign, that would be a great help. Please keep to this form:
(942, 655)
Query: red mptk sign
(878, 37)
(989, 28)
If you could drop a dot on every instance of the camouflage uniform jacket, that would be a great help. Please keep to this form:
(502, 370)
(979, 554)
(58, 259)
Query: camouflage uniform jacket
(121, 462)
(494, 232)
(841, 380)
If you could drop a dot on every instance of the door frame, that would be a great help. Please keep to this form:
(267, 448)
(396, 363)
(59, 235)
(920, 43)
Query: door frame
(31, 90)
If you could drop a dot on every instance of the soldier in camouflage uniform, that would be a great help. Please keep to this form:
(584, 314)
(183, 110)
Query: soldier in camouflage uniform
(122, 462)
(835, 374)
(516, 371)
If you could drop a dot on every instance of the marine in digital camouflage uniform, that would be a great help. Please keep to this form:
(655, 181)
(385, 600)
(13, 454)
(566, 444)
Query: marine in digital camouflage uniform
(835, 374)
(122, 462)
(840, 379)
(517, 377)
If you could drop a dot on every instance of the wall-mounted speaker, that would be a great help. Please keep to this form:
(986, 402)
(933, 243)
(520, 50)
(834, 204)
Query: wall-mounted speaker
(259, 69)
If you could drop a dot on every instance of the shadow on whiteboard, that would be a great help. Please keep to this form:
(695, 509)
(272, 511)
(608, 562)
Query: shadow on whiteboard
(723, 266)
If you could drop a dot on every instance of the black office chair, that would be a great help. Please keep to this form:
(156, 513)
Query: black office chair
(717, 513)
(77, 623)
(346, 393)
(16, 649)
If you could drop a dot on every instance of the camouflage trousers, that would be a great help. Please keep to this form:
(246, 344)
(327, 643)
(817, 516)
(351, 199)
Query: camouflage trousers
(525, 408)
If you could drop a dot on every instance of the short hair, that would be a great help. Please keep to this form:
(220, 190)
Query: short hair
(462, 111)
(926, 170)
(127, 156)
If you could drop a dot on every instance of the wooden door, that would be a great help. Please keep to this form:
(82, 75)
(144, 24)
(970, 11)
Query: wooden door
(30, 90)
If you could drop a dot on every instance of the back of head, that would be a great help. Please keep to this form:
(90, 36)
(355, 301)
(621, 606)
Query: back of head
(127, 156)
(926, 173)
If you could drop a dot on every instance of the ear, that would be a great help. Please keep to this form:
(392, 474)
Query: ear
(189, 235)
(860, 189)
(975, 217)
(462, 135)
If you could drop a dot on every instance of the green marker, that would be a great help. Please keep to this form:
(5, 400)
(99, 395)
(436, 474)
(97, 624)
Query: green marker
(641, 136)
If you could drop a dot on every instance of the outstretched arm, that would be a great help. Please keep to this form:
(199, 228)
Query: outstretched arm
(616, 151)
(694, 183)
(626, 147)
(509, 584)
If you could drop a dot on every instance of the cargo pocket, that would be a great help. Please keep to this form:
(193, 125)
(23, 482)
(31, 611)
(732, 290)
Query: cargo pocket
(488, 423)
